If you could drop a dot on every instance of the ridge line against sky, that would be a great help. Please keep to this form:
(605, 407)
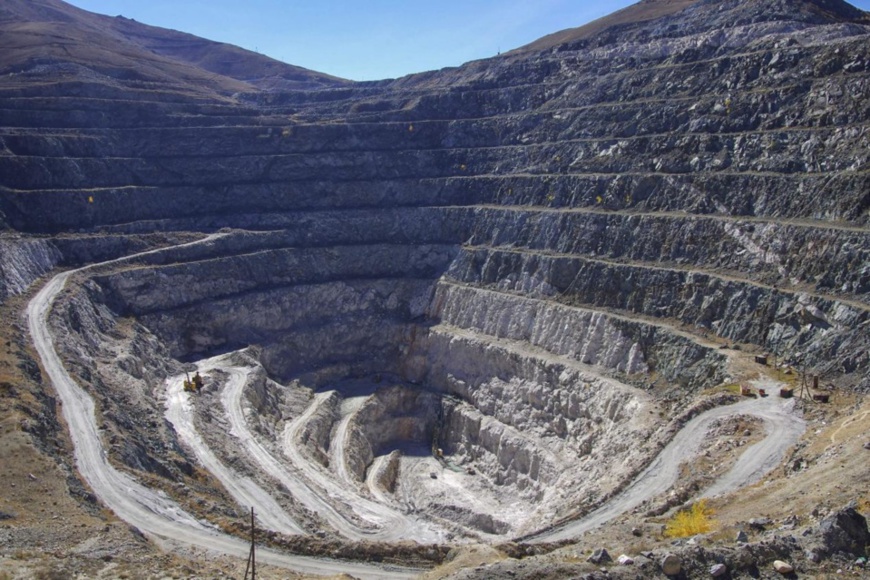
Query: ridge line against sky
(371, 40)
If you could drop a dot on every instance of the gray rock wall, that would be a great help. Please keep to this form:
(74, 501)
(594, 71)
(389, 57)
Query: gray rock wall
(22, 262)
(619, 201)
(799, 326)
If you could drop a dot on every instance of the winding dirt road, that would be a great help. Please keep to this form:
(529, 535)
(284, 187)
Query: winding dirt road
(307, 483)
(783, 428)
(383, 522)
(164, 521)
(246, 492)
(338, 444)
(150, 511)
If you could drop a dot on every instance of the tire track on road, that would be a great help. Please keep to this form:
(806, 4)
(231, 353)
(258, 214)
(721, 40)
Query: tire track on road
(783, 427)
(179, 412)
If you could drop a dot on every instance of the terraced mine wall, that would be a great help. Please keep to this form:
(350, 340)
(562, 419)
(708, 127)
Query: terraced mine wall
(541, 248)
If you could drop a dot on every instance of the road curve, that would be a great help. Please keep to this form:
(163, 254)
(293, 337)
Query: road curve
(338, 443)
(371, 480)
(382, 522)
(783, 428)
(299, 486)
(150, 511)
(246, 492)
(163, 520)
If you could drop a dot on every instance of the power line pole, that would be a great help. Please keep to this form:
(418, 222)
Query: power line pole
(252, 556)
(805, 393)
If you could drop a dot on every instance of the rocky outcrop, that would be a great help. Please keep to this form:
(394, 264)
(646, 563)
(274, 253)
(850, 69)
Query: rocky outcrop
(22, 261)
(393, 418)
(843, 532)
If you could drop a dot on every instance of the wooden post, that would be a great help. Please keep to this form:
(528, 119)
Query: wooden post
(253, 552)
(805, 387)
(252, 560)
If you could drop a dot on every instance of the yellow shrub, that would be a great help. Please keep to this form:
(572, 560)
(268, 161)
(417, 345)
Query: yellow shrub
(698, 519)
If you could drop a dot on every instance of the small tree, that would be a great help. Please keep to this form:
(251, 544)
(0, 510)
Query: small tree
(698, 519)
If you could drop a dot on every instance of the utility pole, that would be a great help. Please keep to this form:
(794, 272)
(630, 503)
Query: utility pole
(805, 393)
(252, 559)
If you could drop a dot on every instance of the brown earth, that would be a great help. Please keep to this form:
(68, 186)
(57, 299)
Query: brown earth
(45, 32)
(634, 14)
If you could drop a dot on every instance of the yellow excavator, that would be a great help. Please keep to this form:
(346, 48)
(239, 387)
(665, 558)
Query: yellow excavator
(193, 385)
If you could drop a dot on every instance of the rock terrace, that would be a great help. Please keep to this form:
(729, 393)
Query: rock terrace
(463, 305)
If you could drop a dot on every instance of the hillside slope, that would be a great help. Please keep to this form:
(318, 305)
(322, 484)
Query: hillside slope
(699, 15)
(49, 32)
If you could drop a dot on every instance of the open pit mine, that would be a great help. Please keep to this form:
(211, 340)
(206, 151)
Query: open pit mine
(492, 309)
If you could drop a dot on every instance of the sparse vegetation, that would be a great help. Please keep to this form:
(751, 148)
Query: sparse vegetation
(695, 520)
(733, 388)
(50, 573)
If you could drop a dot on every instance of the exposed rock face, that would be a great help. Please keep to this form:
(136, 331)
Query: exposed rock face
(612, 141)
(540, 247)
(22, 261)
(845, 531)
(393, 416)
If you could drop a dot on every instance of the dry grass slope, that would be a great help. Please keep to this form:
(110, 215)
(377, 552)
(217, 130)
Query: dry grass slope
(49, 31)
(634, 14)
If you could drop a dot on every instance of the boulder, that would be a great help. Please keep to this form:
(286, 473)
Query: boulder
(845, 531)
(741, 537)
(599, 556)
(790, 522)
(718, 570)
(625, 560)
(759, 523)
(671, 565)
(783, 567)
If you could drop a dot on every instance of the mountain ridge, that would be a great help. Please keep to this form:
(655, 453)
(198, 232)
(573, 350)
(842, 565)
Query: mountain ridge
(643, 16)
(51, 30)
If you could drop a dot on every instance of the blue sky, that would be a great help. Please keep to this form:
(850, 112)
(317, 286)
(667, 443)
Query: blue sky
(367, 39)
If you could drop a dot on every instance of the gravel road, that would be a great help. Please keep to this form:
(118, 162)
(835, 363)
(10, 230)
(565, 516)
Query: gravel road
(151, 511)
(783, 428)
(244, 491)
(163, 520)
